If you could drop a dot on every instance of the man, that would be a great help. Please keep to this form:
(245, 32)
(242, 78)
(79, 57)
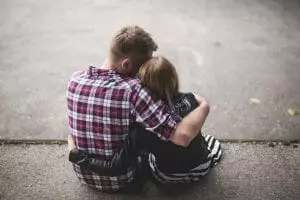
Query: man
(103, 102)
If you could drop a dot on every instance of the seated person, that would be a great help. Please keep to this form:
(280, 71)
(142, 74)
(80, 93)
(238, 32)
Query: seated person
(169, 163)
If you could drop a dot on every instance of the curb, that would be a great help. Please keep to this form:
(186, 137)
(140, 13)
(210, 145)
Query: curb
(61, 141)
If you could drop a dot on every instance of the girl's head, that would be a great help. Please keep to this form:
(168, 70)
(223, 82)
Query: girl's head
(160, 76)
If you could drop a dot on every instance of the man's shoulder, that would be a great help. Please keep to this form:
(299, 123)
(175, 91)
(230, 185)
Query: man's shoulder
(76, 77)
(132, 83)
(78, 74)
(110, 80)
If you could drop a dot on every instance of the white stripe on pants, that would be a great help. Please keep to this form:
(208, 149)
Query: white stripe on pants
(194, 174)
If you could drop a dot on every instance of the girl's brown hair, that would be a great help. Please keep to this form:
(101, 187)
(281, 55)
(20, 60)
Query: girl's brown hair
(160, 76)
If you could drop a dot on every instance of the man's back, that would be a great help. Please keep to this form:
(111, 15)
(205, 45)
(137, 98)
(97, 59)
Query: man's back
(99, 114)
(101, 106)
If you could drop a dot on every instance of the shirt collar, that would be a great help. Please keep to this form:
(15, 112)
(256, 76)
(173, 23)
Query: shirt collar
(94, 71)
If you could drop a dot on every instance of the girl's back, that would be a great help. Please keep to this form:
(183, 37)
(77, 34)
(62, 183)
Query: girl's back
(172, 158)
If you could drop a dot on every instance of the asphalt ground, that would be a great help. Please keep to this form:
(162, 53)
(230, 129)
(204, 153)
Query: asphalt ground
(229, 51)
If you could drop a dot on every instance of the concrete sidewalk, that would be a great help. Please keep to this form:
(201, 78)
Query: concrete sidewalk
(247, 171)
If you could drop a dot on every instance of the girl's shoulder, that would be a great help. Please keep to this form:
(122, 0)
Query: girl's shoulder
(184, 103)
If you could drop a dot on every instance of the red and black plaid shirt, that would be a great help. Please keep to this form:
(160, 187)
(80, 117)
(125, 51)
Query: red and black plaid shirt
(102, 104)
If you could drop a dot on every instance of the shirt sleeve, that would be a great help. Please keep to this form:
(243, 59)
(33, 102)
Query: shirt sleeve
(185, 103)
(153, 114)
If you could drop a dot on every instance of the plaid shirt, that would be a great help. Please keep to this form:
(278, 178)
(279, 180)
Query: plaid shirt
(102, 104)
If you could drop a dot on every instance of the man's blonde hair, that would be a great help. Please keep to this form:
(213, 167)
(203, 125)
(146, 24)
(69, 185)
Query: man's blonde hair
(133, 42)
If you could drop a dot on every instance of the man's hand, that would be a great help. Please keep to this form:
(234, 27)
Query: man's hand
(71, 143)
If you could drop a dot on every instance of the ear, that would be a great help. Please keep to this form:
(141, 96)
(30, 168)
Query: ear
(126, 65)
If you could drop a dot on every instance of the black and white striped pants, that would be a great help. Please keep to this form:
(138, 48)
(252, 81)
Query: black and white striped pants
(194, 174)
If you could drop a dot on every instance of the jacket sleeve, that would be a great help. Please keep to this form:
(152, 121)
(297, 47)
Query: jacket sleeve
(126, 157)
(185, 103)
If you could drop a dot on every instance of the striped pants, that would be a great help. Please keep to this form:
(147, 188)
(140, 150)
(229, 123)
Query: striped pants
(194, 174)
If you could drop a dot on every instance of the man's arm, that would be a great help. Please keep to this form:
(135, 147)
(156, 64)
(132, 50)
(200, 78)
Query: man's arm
(157, 117)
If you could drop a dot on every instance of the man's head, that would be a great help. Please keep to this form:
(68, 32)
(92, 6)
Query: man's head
(130, 48)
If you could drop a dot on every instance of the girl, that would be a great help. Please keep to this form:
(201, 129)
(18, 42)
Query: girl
(168, 162)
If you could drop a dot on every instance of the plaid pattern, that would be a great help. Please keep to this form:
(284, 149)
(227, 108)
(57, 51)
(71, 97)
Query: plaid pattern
(101, 106)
